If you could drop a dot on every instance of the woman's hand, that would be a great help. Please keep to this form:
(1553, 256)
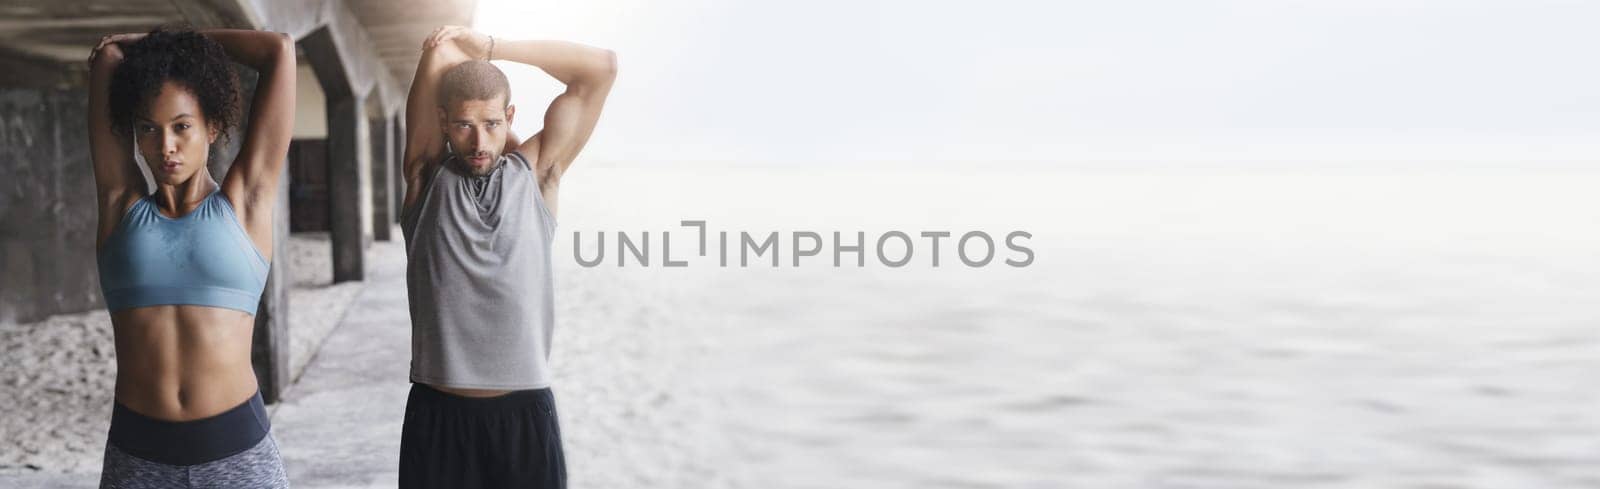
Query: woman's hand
(472, 43)
(110, 47)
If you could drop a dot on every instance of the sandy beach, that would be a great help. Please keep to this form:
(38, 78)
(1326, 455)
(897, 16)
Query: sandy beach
(1213, 329)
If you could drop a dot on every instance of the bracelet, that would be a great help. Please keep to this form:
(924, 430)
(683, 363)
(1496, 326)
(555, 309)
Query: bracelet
(490, 56)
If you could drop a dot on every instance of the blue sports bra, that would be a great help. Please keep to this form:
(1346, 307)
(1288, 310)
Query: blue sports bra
(203, 258)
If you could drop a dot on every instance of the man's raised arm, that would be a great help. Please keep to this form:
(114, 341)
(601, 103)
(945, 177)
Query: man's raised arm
(587, 71)
(424, 138)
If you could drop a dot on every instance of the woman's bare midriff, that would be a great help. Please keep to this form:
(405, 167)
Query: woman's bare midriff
(181, 362)
(471, 392)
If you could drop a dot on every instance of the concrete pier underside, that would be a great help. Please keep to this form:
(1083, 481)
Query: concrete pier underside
(363, 53)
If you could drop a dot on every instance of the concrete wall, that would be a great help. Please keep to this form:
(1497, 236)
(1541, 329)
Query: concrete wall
(47, 205)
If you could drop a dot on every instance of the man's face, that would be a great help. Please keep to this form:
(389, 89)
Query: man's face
(477, 130)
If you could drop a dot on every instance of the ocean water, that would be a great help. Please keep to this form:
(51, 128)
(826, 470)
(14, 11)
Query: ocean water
(1174, 329)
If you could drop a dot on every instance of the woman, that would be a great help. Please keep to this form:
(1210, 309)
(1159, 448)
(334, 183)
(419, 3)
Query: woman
(182, 265)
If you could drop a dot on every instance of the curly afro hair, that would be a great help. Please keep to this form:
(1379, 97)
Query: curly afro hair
(183, 56)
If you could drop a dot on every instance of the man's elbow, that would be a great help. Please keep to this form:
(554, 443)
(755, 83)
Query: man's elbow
(606, 70)
(598, 75)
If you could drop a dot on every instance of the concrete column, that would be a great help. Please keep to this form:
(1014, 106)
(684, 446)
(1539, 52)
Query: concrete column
(397, 127)
(346, 122)
(382, 178)
(347, 134)
(270, 349)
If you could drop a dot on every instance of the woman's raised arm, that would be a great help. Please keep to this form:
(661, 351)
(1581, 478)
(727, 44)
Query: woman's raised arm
(116, 179)
(252, 180)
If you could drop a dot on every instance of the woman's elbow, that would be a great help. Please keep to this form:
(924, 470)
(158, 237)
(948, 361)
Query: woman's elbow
(285, 47)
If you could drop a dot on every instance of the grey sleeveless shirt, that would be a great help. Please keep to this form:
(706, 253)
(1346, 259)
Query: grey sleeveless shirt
(478, 276)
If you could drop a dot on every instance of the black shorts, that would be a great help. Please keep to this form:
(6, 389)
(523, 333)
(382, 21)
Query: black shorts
(451, 441)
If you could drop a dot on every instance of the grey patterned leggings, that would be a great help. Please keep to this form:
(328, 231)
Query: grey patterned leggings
(258, 467)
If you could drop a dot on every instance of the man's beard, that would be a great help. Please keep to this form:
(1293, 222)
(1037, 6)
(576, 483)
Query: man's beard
(465, 166)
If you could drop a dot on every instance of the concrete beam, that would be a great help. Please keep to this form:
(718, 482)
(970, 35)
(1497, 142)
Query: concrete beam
(19, 69)
(59, 33)
(364, 68)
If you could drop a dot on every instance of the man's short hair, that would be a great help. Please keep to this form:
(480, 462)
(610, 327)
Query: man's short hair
(473, 80)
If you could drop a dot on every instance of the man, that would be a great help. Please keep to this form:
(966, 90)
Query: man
(479, 217)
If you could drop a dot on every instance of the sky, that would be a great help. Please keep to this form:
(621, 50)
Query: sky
(1078, 81)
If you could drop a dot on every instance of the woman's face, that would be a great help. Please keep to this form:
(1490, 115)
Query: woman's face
(173, 136)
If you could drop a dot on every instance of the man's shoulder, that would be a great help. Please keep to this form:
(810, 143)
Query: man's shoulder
(516, 156)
